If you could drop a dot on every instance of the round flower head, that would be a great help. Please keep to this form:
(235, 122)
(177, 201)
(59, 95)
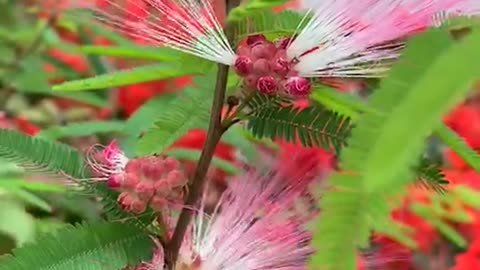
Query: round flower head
(341, 38)
(153, 181)
(336, 38)
(258, 223)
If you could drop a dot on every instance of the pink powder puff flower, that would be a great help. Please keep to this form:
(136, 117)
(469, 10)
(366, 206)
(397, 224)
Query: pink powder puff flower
(190, 26)
(350, 38)
(336, 38)
(258, 223)
(154, 181)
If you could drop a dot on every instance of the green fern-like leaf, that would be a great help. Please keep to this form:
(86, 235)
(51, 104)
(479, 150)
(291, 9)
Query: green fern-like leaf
(251, 7)
(191, 109)
(440, 95)
(152, 53)
(84, 247)
(143, 119)
(379, 158)
(271, 24)
(112, 210)
(57, 158)
(343, 103)
(82, 129)
(132, 76)
(40, 154)
(314, 126)
(343, 225)
(458, 144)
(430, 176)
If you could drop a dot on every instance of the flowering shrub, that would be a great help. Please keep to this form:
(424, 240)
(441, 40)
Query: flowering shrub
(240, 134)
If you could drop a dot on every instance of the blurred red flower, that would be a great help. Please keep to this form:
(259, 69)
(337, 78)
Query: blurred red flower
(465, 120)
(470, 260)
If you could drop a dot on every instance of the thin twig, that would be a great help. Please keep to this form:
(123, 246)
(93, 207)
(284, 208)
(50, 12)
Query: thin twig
(215, 131)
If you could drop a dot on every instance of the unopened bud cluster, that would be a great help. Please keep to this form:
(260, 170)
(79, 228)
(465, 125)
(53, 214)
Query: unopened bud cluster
(264, 66)
(147, 181)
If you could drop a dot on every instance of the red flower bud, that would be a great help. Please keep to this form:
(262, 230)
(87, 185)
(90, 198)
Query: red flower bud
(244, 51)
(171, 164)
(125, 199)
(116, 181)
(133, 166)
(131, 181)
(153, 168)
(158, 203)
(267, 85)
(243, 65)
(281, 66)
(254, 40)
(283, 42)
(144, 190)
(138, 206)
(261, 67)
(265, 51)
(251, 81)
(297, 86)
(176, 178)
(162, 187)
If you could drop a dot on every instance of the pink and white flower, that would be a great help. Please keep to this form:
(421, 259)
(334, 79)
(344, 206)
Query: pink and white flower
(353, 39)
(154, 181)
(337, 38)
(258, 223)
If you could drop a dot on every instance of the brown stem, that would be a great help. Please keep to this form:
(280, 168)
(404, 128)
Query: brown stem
(215, 131)
(232, 117)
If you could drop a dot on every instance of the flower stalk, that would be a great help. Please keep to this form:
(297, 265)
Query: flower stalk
(215, 132)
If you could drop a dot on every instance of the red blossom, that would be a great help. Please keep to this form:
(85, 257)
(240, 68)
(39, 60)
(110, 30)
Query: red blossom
(468, 177)
(133, 96)
(19, 123)
(4, 121)
(465, 120)
(470, 260)
(26, 126)
(76, 62)
(454, 161)
(322, 161)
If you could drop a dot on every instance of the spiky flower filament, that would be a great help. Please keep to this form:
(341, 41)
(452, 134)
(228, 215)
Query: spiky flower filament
(189, 26)
(358, 39)
(258, 223)
(103, 161)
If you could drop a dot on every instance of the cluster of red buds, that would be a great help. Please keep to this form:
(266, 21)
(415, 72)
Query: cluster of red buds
(153, 181)
(264, 66)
